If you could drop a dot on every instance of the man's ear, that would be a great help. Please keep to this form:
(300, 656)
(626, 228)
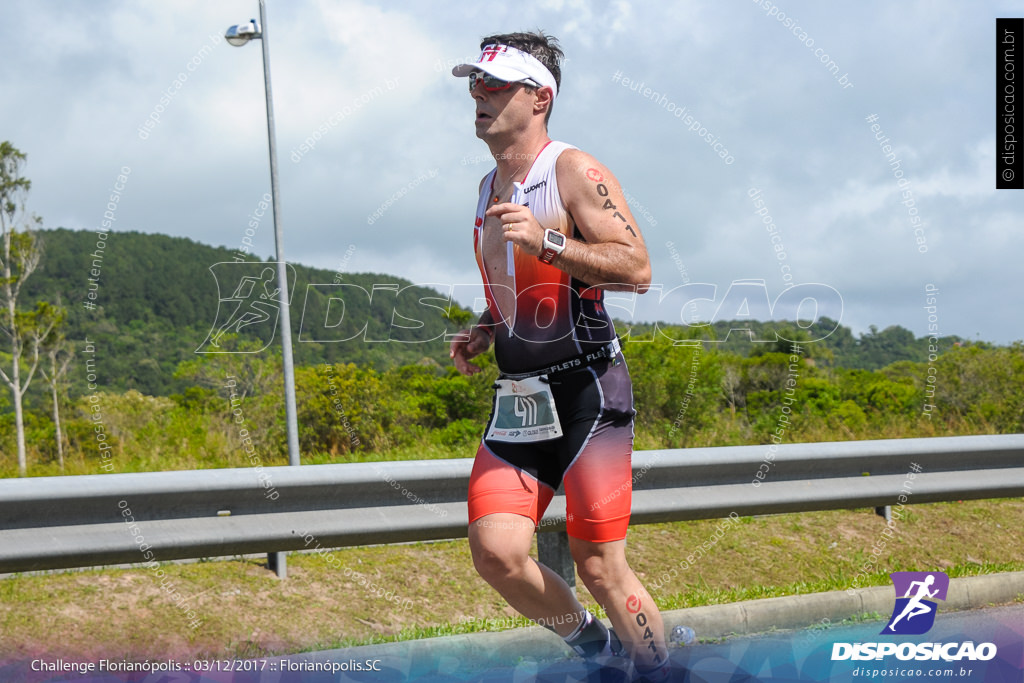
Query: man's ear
(543, 101)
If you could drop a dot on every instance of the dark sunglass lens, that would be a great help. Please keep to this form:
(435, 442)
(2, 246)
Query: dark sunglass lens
(489, 82)
(492, 83)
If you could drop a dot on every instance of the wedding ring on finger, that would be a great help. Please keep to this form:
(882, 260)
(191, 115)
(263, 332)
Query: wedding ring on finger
(508, 227)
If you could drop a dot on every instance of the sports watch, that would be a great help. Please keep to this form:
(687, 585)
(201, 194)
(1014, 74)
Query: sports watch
(554, 244)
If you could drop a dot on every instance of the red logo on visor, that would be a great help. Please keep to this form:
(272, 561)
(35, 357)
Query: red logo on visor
(492, 51)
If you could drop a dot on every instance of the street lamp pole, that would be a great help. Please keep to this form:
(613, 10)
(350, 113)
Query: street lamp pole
(238, 36)
(291, 414)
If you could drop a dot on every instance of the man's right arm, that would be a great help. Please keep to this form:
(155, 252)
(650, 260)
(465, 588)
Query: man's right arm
(471, 343)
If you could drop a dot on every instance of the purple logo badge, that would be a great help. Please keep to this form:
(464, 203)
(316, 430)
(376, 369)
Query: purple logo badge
(916, 593)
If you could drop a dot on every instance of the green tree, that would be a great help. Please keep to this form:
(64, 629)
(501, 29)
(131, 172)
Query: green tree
(19, 256)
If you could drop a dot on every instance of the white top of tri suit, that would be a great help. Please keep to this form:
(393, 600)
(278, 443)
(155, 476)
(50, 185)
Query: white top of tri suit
(556, 316)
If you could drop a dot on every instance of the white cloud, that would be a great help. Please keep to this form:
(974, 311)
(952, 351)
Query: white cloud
(81, 77)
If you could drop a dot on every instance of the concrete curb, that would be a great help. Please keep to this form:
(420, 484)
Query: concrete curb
(507, 648)
(801, 611)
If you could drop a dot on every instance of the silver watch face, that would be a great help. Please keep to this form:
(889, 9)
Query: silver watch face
(556, 238)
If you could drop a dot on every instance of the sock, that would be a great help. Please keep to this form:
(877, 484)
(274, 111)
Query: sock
(591, 638)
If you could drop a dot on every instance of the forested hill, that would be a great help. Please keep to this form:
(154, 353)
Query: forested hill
(157, 300)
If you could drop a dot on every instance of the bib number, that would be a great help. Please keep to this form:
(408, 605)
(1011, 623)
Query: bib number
(524, 412)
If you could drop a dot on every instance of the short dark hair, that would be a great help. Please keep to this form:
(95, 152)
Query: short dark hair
(543, 47)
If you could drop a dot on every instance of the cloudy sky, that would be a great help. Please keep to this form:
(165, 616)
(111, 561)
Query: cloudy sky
(369, 84)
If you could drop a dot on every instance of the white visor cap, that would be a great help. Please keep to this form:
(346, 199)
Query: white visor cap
(509, 64)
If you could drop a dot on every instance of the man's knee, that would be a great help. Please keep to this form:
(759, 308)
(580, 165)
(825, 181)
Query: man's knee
(497, 559)
(598, 570)
(497, 565)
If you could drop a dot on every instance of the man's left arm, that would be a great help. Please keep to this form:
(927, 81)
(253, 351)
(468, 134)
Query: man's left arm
(613, 255)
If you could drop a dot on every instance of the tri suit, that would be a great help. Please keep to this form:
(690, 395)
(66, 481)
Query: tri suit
(557, 320)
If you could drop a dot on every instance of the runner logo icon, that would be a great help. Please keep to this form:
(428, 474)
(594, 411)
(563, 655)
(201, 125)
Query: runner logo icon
(914, 612)
(248, 304)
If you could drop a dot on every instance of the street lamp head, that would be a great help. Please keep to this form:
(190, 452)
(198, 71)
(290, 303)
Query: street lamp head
(242, 33)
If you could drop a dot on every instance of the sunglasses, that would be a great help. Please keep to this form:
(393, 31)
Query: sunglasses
(492, 84)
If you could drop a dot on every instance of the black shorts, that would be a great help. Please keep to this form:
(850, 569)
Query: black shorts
(592, 459)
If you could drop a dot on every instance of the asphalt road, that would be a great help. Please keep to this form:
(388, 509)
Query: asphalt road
(801, 655)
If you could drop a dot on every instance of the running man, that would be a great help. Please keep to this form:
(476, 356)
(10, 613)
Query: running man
(553, 231)
(915, 606)
(250, 310)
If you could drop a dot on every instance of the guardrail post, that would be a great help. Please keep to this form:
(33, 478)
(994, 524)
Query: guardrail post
(884, 511)
(278, 563)
(553, 550)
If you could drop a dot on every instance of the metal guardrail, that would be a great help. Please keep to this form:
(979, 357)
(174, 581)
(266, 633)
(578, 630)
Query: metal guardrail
(81, 521)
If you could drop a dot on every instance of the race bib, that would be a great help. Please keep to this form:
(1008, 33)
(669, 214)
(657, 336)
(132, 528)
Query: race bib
(524, 411)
